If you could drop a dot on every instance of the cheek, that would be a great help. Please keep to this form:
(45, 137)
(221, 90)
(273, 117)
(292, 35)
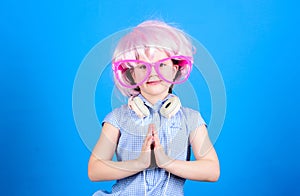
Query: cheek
(137, 77)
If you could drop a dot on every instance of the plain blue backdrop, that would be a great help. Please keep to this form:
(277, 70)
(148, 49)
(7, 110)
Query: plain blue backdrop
(255, 44)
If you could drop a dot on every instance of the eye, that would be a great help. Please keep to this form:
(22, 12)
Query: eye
(143, 67)
(163, 65)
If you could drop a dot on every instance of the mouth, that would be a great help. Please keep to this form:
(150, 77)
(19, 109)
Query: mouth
(153, 82)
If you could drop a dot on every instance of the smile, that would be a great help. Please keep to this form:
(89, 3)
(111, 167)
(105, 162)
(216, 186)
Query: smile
(154, 82)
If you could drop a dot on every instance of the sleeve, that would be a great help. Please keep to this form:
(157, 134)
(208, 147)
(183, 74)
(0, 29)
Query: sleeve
(194, 120)
(113, 118)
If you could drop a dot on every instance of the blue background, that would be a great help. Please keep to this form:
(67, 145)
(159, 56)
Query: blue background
(255, 44)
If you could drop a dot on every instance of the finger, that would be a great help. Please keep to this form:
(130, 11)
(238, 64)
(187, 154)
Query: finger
(151, 128)
(156, 140)
(146, 138)
(147, 142)
(150, 144)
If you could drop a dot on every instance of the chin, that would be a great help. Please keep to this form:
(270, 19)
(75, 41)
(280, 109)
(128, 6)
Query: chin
(155, 90)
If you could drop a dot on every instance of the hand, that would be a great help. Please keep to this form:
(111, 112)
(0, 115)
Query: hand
(162, 160)
(144, 159)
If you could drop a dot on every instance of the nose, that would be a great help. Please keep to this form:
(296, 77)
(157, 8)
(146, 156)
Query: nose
(153, 71)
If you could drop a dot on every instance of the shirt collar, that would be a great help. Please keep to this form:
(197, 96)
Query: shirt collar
(157, 105)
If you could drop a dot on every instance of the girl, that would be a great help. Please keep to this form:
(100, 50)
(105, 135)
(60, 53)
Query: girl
(153, 135)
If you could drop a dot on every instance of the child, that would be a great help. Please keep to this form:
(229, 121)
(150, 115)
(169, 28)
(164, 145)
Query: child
(153, 135)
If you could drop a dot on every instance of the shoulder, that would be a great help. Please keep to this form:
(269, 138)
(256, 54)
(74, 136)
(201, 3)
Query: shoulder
(119, 110)
(189, 111)
(115, 115)
(192, 117)
(191, 114)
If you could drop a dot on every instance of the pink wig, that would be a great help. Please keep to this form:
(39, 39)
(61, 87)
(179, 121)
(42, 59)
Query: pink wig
(147, 35)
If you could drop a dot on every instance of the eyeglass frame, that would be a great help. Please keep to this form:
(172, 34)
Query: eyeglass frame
(117, 64)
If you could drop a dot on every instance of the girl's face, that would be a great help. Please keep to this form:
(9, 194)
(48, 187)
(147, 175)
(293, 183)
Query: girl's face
(154, 85)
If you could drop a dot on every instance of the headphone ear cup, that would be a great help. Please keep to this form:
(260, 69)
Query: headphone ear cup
(138, 106)
(170, 107)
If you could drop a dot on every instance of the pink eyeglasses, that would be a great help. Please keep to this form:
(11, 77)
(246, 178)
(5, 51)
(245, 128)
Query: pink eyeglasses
(133, 73)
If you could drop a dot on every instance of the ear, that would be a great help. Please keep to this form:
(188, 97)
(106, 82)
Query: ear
(175, 68)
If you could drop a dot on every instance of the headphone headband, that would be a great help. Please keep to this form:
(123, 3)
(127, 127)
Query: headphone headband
(167, 110)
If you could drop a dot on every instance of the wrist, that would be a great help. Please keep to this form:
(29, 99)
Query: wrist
(140, 165)
(163, 161)
(168, 165)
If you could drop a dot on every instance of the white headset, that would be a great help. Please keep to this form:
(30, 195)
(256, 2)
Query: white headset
(168, 109)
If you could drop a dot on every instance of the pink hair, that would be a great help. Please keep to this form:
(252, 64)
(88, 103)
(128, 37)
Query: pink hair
(147, 35)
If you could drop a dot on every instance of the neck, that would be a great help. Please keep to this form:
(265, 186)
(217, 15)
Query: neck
(153, 99)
